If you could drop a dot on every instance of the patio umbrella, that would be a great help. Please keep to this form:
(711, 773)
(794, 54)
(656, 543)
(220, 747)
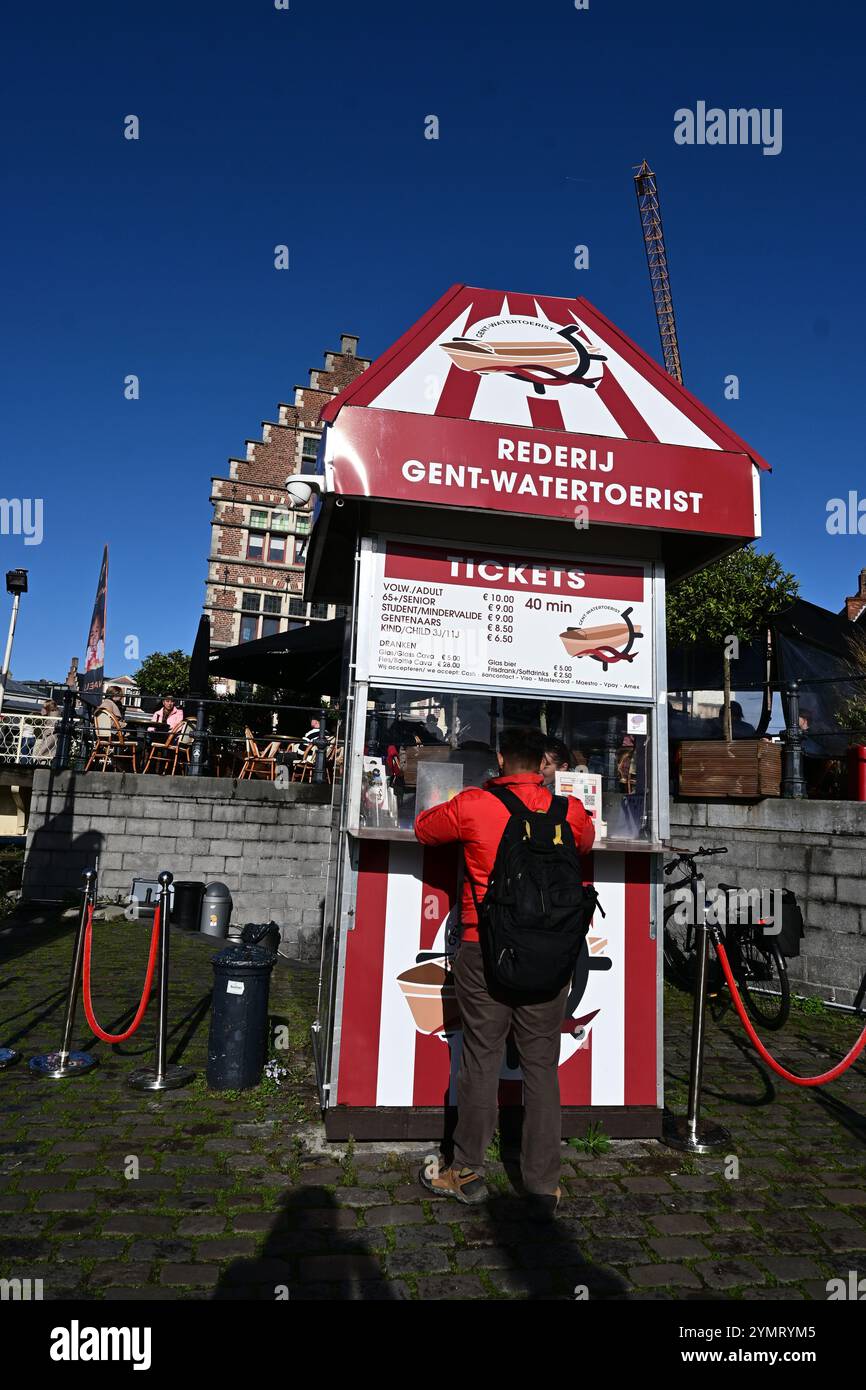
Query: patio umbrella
(308, 658)
(199, 661)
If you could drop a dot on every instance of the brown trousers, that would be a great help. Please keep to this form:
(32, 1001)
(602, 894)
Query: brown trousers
(487, 1018)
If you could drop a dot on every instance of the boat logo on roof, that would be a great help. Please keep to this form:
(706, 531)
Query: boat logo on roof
(529, 350)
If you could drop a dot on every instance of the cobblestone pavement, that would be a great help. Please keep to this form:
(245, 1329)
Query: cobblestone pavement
(237, 1196)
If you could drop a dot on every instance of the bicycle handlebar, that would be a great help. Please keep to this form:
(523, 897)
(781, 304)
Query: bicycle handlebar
(689, 856)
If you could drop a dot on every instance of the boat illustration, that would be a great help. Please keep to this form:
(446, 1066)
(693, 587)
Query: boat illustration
(472, 355)
(556, 361)
(607, 643)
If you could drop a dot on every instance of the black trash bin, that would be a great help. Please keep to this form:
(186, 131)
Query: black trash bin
(238, 1038)
(186, 904)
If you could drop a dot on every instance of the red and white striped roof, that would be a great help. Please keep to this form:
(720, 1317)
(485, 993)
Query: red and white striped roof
(621, 395)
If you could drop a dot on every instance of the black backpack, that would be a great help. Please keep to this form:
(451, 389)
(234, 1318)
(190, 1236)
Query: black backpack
(536, 911)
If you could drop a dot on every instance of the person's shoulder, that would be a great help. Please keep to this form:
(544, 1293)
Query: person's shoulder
(476, 793)
(471, 797)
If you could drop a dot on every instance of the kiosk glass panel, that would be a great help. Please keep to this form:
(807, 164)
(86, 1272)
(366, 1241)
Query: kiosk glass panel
(422, 747)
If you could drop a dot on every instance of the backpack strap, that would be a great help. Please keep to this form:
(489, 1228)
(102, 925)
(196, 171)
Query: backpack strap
(510, 800)
(515, 807)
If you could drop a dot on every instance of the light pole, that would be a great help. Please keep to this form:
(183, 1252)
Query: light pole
(16, 585)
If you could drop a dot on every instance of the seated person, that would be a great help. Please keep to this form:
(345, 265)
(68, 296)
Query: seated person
(112, 701)
(46, 744)
(557, 758)
(432, 725)
(310, 737)
(167, 717)
(740, 727)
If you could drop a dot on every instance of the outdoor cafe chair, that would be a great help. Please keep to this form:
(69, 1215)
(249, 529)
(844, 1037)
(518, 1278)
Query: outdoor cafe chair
(185, 741)
(165, 755)
(305, 765)
(259, 762)
(110, 747)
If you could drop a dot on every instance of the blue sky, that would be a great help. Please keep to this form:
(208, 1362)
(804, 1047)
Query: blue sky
(261, 126)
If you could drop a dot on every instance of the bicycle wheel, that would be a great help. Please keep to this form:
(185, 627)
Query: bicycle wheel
(762, 977)
(679, 962)
(681, 959)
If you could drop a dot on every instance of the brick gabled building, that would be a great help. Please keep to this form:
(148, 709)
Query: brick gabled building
(255, 575)
(855, 604)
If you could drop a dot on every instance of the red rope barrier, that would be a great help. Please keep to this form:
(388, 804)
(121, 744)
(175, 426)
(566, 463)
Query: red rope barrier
(145, 995)
(771, 1062)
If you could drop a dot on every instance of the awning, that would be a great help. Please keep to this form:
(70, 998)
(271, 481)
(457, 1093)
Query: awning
(308, 658)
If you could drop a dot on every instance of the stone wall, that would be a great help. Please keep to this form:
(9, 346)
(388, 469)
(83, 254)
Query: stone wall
(267, 844)
(817, 849)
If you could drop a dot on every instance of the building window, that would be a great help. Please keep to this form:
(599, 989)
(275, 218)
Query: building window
(318, 610)
(250, 602)
(309, 450)
(273, 603)
(304, 523)
(256, 545)
(282, 521)
(270, 627)
(249, 629)
(297, 608)
(277, 550)
(259, 520)
(301, 543)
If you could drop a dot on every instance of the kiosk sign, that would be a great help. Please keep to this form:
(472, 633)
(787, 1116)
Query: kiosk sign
(480, 619)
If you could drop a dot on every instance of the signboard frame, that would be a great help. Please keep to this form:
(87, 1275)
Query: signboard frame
(367, 632)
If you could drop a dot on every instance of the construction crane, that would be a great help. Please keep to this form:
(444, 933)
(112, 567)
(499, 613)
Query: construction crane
(657, 262)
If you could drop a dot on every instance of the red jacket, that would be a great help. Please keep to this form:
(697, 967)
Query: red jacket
(477, 820)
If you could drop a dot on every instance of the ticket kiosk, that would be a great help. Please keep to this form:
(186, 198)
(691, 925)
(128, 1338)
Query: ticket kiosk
(504, 495)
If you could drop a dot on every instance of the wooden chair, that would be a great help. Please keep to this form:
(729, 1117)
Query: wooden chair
(259, 762)
(110, 746)
(165, 755)
(185, 741)
(305, 765)
(333, 759)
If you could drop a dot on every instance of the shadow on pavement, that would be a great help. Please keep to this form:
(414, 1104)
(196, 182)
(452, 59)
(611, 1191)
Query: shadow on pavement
(307, 1256)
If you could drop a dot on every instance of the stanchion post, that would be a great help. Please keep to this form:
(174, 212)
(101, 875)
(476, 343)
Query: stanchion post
(321, 745)
(165, 1075)
(689, 1134)
(65, 1062)
(793, 780)
(64, 741)
(199, 745)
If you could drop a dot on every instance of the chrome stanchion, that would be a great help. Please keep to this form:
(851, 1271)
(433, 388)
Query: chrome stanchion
(688, 1133)
(165, 1076)
(66, 1062)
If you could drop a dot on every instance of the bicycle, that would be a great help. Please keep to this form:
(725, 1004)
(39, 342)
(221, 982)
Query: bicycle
(758, 965)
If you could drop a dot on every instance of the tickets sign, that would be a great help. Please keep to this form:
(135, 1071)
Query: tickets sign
(477, 619)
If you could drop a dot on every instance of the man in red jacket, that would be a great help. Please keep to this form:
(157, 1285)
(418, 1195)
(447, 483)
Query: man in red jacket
(477, 820)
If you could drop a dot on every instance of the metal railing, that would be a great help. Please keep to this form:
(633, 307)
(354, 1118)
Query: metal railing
(29, 740)
(214, 742)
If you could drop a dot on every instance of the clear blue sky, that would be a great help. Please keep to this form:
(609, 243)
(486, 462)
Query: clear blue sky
(261, 126)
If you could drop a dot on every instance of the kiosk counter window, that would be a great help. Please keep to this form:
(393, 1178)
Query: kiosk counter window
(422, 747)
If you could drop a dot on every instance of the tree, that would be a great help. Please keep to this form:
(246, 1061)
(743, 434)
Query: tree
(164, 673)
(728, 602)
